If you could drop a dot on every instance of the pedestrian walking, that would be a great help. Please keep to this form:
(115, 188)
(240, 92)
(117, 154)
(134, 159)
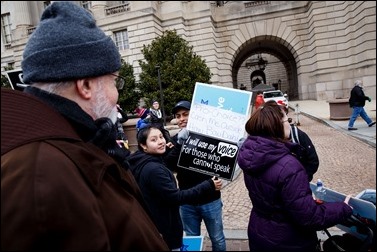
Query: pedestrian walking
(65, 184)
(357, 103)
(159, 186)
(209, 209)
(284, 216)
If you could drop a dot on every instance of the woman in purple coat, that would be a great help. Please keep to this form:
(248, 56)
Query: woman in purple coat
(284, 216)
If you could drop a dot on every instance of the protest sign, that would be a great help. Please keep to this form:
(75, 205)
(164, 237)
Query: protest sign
(209, 155)
(219, 111)
(192, 243)
(216, 123)
(15, 79)
(360, 207)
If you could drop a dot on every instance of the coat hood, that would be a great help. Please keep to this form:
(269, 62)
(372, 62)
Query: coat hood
(138, 159)
(259, 153)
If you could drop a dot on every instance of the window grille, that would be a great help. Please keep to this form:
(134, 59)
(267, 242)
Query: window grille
(6, 28)
(121, 40)
(86, 4)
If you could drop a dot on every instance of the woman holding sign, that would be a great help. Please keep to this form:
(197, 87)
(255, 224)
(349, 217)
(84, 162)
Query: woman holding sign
(159, 187)
(284, 216)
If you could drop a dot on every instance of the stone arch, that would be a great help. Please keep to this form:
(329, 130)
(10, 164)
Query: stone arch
(274, 46)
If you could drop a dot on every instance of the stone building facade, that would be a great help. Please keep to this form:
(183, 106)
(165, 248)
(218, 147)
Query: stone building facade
(313, 49)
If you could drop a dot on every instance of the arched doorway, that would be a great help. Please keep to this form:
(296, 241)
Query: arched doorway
(257, 77)
(281, 64)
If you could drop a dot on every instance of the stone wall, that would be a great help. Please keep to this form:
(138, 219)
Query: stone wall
(332, 43)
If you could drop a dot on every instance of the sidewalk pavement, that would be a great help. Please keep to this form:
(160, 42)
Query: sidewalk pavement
(236, 239)
(320, 111)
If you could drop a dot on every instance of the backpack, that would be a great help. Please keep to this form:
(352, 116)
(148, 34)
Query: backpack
(141, 123)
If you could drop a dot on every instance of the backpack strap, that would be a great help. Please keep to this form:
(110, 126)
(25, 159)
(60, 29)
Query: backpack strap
(294, 134)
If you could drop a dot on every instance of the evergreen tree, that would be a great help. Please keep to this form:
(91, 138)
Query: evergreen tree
(4, 79)
(129, 96)
(180, 69)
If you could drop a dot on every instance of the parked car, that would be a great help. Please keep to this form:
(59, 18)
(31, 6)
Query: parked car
(277, 96)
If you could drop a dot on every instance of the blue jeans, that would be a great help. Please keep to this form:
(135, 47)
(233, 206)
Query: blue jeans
(358, 111)
(211, 213)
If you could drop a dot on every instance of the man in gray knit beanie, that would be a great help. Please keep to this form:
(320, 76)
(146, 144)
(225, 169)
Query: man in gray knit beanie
(68, 45)
(65, 182)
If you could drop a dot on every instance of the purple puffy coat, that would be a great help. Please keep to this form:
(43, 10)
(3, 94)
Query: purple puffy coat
(284, 216)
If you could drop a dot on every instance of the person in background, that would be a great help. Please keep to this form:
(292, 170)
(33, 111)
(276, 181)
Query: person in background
(147, 117)
(209, 209)
(144, 116)
(308, 156)
(242, 87)
(65, 182)
(284, 217)
(159, 186)
(156, 114)
(258, 100)
(357, 103)
(122, 117)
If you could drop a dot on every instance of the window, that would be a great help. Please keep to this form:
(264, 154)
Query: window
(121, 40)
(86, 4)
(10, 65)
(46, 3)
(6, 28)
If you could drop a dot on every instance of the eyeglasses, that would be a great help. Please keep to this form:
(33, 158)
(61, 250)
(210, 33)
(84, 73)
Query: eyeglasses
(119, 82)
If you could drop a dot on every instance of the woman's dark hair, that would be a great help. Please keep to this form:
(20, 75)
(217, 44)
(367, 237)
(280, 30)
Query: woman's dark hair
(266, 121)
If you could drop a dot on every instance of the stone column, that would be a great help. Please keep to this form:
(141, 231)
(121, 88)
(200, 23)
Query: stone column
(21, 19)
(98, 9)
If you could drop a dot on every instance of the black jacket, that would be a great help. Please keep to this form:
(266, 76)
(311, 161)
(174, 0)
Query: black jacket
(187, 178)
(358, 97)
(309, 157)
(162, 196)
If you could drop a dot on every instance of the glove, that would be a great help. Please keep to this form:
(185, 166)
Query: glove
(369, 99)
(182, 136)
(240, 142)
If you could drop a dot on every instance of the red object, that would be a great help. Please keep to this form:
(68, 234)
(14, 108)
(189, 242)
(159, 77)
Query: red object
(141, 112)
(318, 201)
(280, 102)
(258, 101)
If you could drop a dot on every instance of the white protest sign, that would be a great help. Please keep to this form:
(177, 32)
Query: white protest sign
(216, 123)
(219, 111)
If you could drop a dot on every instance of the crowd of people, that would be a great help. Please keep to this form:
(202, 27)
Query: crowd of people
(82, 189)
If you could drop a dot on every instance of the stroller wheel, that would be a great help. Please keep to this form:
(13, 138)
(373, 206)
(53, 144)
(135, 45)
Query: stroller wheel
(345, 242)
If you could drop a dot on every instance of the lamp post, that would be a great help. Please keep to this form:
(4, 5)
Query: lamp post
(161, 95)
(262, 63)
(257, 64)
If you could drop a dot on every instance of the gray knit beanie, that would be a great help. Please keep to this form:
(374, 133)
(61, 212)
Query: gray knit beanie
(68, 45)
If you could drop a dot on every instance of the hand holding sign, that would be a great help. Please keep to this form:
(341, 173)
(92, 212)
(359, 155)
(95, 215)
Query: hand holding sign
(182, 136)
(218, 183)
